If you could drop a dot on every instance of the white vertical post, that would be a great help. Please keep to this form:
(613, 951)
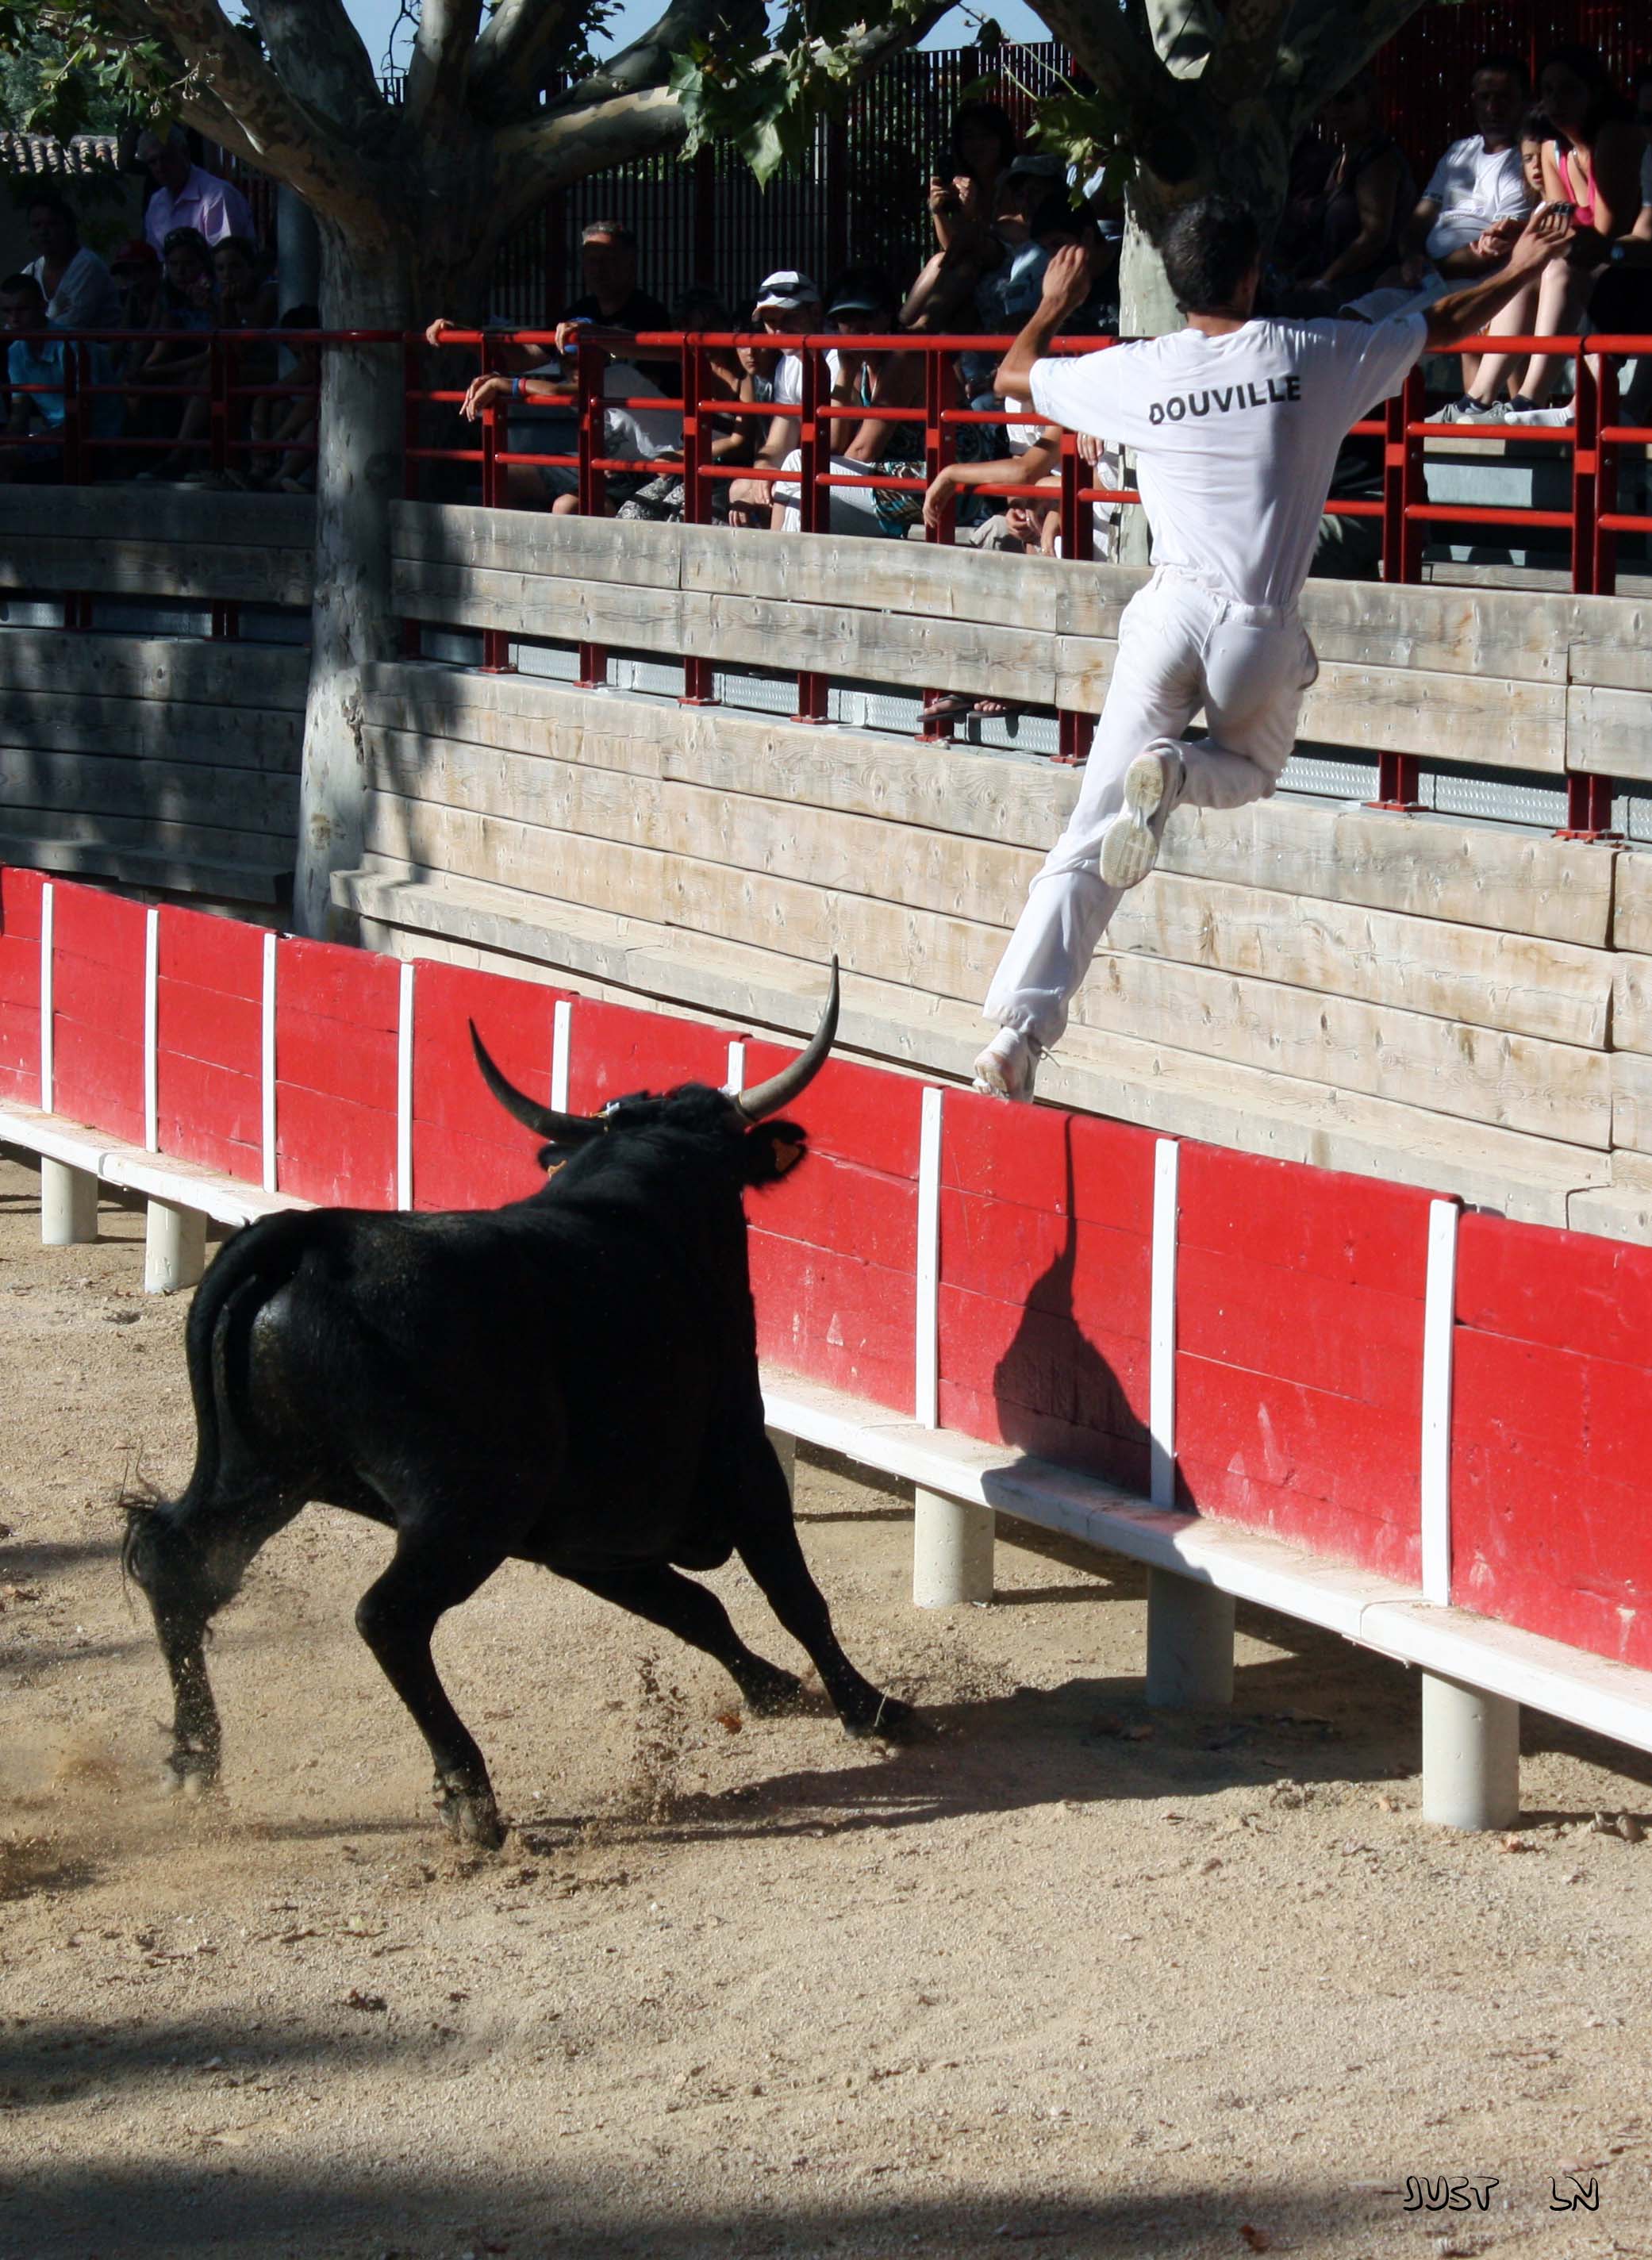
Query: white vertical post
(952, 1551)
(1470, 1755)
(268, 1049)
(736, 1081)
(151, 1032)
(174, 1247)
(69, 1205)
(1438, 1336)
(404, 1086)
(926, 1358)
(561, 1044)
(48, 906)
(1161, 1328)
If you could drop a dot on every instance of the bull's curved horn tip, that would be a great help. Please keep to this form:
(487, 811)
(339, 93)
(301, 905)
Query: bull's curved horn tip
(780, 1090)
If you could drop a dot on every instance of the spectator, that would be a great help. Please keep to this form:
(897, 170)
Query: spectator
(1594, 164)
(1476, 184)
(867, 379)
(81, 293)
(186, 305)
(1368, 195)
(661, 498)
(980, 154)
(787, 305)
(188, 195)
(293, 433)
(35, 358)
(138, 273)
(246, 300)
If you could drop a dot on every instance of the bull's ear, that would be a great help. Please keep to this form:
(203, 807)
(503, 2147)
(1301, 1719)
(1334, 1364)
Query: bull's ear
(772, 1150)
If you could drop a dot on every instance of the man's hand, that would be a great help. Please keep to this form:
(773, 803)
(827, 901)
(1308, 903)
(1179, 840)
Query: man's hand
(488, 391)
(1543, 237)
(941, 489)
(567, 335)
(432, 335)
(1065, 281)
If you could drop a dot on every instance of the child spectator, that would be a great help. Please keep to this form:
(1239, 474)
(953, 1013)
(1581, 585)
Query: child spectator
(788, 305)
(1368, 196)
(35, 373)
(186, 305)
(293, 432)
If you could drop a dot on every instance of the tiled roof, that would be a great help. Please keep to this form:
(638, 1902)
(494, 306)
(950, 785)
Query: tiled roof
(42, 157)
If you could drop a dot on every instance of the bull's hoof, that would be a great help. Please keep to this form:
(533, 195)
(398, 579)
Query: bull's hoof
(773, 1693)
(190, 1773)
(469, 1816)
(888, 1721)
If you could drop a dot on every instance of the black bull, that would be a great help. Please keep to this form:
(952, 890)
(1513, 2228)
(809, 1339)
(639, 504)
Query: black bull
(571, 1380)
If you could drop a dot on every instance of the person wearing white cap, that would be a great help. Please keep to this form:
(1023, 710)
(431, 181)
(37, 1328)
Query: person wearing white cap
(1235, 422)
(788, 303)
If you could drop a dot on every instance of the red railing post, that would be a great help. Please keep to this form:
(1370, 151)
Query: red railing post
(813, 689)
(496, 642)
(1074, 730)
(1393, 487)
(590, 364)
(77, 603)
(1608, 410)
(221, 363)
(934, 726)
(412, 372)
(1413, 478)
(1585, 477)
(699, 683)
(1588, 807)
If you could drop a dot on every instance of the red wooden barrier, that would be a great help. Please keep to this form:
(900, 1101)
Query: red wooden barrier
(20, 986)
(97, 1009)
(209, 1007)
(467, 1153)
(337, 1012)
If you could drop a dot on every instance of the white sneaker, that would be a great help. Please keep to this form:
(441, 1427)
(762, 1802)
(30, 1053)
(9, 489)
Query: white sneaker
(1544, 418)
(1008, 1066)
(1130, 844)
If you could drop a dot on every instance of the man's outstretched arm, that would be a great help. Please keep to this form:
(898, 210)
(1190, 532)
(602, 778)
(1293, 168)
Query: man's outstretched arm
(1465, 313)
(1066, 287)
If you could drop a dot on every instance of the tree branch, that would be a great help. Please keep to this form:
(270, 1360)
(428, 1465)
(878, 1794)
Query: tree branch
(546, 152)
(1247, 50)
(1117, 58)
(438, 67)
(875, 43)
(516, 42)
(1184, 33)
(1325, 42)
(224, 72)
(318, 53)
(648, 60)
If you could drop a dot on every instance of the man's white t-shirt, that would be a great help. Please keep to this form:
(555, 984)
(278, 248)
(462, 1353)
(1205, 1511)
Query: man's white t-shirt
(1236, 436)
(87, 297)
(1473, 186)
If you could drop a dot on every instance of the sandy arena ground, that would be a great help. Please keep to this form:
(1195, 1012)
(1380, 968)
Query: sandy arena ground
(1075, 1978)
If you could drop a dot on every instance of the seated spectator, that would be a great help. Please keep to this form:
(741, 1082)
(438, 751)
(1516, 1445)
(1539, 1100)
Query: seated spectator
(138, 276)
(662, 498)
(631, 433)
(1476, 184)
(1368, 194)
(186, 195)
(1594, 164)
(246, 300)
(81, 293)
(290, 466)
(35, 360)
(787, 305)
(180, 356)
(867, 379)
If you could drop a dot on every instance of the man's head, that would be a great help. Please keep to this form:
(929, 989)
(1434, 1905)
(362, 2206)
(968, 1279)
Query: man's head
(1057, 221)
(1212, 257)
(22, 304)
(1498, 91)
(864, 301)
(166, 157)
(235, 266)
(608, 261)
(52, 229)
(789, 303)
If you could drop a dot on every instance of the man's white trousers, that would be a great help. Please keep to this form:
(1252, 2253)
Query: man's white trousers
(1182, 645)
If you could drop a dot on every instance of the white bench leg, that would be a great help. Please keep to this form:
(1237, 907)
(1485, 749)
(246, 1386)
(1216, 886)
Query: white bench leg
(952, 1551)
(1189, 1642)
(1470, 1755)
(69, 1205)
(174, 1247)
(786, 1453)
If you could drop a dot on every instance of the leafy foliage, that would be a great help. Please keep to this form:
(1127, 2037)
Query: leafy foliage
(64, 69)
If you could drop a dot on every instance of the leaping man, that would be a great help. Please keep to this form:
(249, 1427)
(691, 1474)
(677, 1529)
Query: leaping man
(1235, 421)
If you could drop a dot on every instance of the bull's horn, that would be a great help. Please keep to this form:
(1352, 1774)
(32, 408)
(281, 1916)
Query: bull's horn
(780, 1090)
(560, 1129)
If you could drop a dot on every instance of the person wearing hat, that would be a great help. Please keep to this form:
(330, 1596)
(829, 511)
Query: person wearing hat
(868, 379)
(80, 292)
(788, 305)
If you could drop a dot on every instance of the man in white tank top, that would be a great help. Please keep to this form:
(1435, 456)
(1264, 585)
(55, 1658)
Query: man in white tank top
(1235, 422)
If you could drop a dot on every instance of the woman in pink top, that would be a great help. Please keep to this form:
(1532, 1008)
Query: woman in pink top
(1594, 165)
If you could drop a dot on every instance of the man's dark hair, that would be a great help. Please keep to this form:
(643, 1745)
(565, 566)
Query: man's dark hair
(1504, 59)
(11, 284)
(1056, 214)
(58, 206)
(624, 236)
(1208, 249)
(300, 317)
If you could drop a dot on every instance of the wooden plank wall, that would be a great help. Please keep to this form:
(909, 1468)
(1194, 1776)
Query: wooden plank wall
(166, 761)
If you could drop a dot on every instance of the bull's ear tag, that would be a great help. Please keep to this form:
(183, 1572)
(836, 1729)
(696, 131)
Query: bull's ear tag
(787, 1154)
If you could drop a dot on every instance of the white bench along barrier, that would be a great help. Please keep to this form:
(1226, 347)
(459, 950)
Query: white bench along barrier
(323, 1073)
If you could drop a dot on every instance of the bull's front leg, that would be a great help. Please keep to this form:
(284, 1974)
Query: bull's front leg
(168, 1563)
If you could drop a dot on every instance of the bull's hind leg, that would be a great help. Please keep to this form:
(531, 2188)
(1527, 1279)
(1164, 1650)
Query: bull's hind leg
(767, 1539)
(664, 1596)
(436, 1565)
